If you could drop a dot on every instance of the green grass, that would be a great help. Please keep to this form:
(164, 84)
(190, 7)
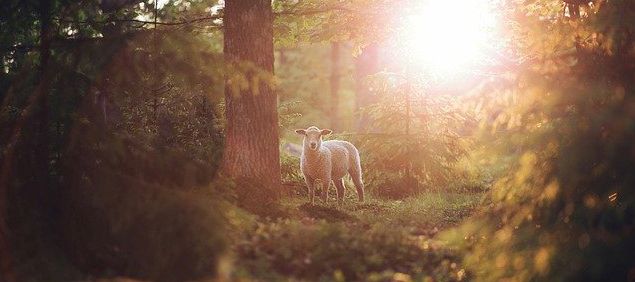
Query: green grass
(425, 211)
(377, 240)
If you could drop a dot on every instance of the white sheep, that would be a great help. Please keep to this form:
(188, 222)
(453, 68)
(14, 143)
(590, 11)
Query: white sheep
(324, 161)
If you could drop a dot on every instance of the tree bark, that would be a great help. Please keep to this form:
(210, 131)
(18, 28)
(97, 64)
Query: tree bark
(251, 141)
(335, 85)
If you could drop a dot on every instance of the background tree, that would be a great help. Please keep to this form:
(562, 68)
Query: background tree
(102, 122)
(335, 85)
(366, 64)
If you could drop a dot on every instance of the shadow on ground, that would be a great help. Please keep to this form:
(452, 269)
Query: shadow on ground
(371, 207)
(326, 213)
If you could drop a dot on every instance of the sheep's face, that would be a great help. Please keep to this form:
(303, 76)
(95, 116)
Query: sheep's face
(313, 137)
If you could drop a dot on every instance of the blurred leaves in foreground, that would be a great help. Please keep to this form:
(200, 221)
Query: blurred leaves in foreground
(566, 209)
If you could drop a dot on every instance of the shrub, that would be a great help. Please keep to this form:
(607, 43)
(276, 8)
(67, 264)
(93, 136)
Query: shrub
(565, 210)
(119, 225)
(394, 186)
(126, 210)
(137, 202)
(290, 168)
(413, 143)
(316, 250)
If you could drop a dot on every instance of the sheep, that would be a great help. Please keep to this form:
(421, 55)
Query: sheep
(324, 161)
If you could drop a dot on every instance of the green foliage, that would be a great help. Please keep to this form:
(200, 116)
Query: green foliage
(378, 240)
(414, 140)
(290, 168)
(303, 73)
(323, 251)
(424, 214)
(360, 21)
(132, 199)
(287, 115)
(122, 226)
(477, 171)
(564, 211)
(135, 137)
(392, 185)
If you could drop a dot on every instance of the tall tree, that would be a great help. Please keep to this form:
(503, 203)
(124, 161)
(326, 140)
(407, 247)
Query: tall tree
(366, 64)
(335, 84)
(251, 144)
(42, 92)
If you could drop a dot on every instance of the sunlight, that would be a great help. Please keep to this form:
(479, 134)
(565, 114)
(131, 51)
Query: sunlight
(449, 36)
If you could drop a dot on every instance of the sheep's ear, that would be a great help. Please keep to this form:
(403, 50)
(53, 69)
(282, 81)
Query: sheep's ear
(300, 131)
(326, 131)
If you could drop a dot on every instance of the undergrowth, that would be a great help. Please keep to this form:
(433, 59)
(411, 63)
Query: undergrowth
(378, 240)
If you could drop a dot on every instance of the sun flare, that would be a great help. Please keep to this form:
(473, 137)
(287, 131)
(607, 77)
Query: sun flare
(448, 36)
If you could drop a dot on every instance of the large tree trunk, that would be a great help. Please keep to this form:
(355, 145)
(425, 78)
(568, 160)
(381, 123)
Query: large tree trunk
(251, 144)
(335, 85)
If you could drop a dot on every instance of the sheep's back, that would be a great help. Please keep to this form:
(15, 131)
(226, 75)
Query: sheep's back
(342, 154)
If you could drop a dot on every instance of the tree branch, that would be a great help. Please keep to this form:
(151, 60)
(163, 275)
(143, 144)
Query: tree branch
(312, 11)
(293, 12)
(61, 42)
(184, 22)
(209, 18)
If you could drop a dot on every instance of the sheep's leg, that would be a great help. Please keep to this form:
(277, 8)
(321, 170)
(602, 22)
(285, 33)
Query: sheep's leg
(339, 184)
(311, 187)
(324, 186)
(356, 174)
(325, 190)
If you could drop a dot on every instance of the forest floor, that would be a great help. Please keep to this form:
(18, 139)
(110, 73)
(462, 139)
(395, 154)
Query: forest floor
(378, 240)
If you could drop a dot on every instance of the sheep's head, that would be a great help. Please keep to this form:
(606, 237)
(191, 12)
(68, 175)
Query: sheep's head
(313, 137)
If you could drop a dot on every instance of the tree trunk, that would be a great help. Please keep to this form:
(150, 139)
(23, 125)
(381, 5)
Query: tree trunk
(251, 142)
(366, 63)
(335, 85)
(42, 99)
